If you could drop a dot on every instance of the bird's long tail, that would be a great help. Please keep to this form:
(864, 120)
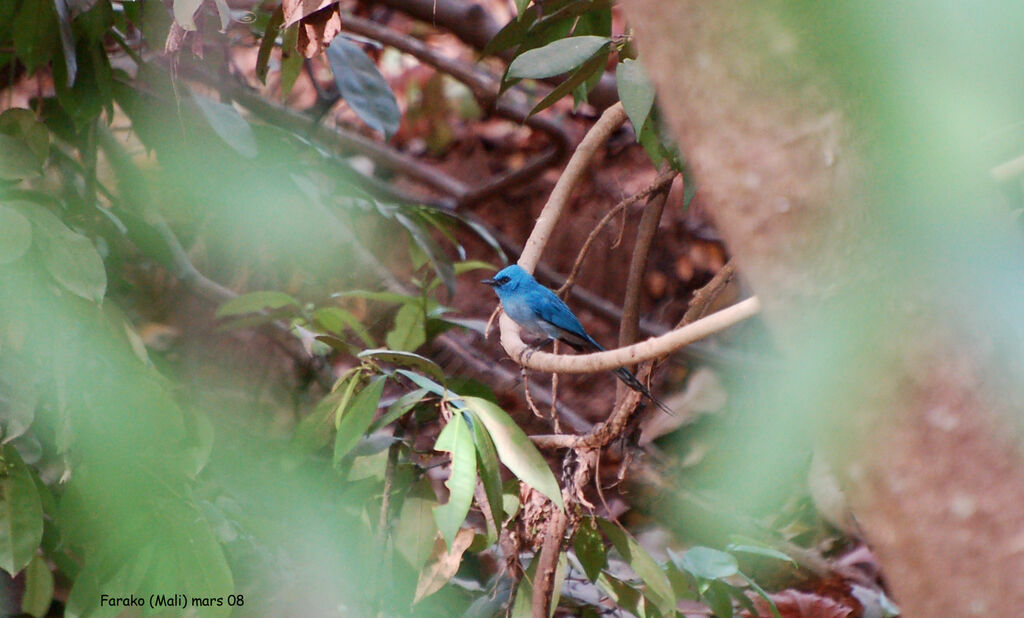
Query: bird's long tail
(634, 383)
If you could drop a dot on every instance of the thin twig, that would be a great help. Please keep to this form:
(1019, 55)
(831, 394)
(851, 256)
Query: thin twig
(703, 297)
(659, 183)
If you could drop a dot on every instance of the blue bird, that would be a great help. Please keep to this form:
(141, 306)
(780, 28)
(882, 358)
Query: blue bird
(541, 313)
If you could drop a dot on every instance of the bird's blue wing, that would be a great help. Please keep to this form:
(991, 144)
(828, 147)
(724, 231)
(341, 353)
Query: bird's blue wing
(549, 307)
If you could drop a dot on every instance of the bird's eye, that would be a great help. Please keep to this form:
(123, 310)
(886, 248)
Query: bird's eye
(503, 280)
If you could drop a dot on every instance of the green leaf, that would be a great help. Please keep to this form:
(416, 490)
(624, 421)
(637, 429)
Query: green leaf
(356, 418)
(589, 547)
(457, 439)
(658, 587)
(22, 125)
(38, 588)
(719, 599)
(70, 258)
(384, 297)
(490, 474)
(763, 594)
(397, 409)
(409, 331)
(15, 234)
(21, 512)
(17, 160)
(515, 449)
(35, 34)
(636, 93)
(759, 550)
(438, 260)
(708, 563)
(625, 596)
(291, 59)
(556, 57)
(424, 383)
(521, 607)
(267, 43)
(254, 302)
(363, 87)
(406, 359)
(415, 529)
(521, 6)
(582, 74)
(229, 125)
(335, 319)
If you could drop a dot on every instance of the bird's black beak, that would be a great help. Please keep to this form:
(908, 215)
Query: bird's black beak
(490, 282)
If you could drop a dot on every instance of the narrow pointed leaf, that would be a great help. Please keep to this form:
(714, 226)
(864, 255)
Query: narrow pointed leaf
(457, 439)
(658, 589)
(636, 93)
(582, 74)
(357, 417)
(254, 302)
(363, 87)
(405, 359)
(490, 474)
(589, 547)
(515, 449)
(556, 57)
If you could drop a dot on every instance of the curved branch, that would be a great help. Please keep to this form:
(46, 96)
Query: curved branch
(630, 355)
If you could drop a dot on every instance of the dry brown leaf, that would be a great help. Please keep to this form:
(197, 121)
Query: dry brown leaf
(318, 29)
(442, 564)
(294, 10)
(796, 604)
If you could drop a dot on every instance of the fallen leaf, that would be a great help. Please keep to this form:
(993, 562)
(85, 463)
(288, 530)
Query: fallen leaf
(442, 565)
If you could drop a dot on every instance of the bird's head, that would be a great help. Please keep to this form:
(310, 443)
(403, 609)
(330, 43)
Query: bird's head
(508, 279)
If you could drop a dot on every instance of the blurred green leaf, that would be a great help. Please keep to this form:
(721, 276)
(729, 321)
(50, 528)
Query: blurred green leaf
(335, 319)
(291, 59)
(406, 359)
(760, 550)
(490, 474)
(719, 599)
(229, 125)
(17, 160)
(409, 331)
(556, 57)
(589, 547)
(38, 588)
(515, 449)
(763, 594)
(15, 234)
(70, 258)
(456, 439)
(658, 587)
(438, 260)
(415, 529)
(521, 607)
(36, 34)
(636, 93)
(521, 6)
(21, 124)
(708, 563)
(362, 86)
(625, 596)
(357, 416)
(21, 512)
(253, 302)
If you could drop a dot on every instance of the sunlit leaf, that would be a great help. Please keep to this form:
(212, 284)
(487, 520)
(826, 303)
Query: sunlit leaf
(658, 586)
(21, 512)
(636, 93)
(253, 302)
(556, 57)
(15, 234)
(589, 546)
(185, 11)
(229, 125)
(409, 331)
(457, 439)
(357, 416)
(362, 86)
(515, 449)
